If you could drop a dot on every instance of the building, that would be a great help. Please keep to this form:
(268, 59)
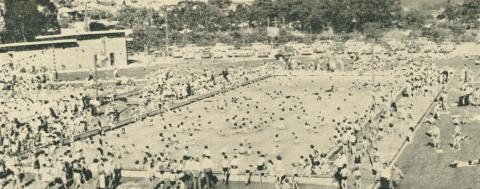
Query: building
(70, 51)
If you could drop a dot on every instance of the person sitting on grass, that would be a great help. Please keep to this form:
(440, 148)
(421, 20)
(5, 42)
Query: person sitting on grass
(460, 163)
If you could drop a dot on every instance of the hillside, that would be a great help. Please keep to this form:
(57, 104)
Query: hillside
(419, 3)
(405, 3)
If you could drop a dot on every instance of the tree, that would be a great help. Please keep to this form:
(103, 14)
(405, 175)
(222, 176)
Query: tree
(222, 4)
(133, 17)
(341, 18)
(451, 12)
(471, 10)
(98, 14)
(435, 34)
(65, 3)
(262, 10)
(242, 14)
(413, 19)
(383, 12)
(26, 19)
(96, 26)
(457, 29)
(344, 14)
(2, 16)
(373, 30)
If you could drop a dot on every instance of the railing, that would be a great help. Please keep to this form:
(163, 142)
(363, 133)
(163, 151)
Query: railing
(337, 148)
(405, 142)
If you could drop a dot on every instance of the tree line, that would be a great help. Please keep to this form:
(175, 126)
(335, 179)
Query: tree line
(223, 21)
(205, 23)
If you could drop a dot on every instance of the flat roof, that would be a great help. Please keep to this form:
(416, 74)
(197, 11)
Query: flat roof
(81, 34)
(37, 43)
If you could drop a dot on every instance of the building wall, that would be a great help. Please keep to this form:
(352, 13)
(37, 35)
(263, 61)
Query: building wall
(72, 58)
(60, 58)
(103, 47)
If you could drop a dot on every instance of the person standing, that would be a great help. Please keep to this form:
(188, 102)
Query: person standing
(225, 169)
(196, 172)
(339, 163)
(77, 175)
(207, 166)
(248, 174)
(345, 173)
(385, 176)
(101, 180)
(397, 176)
(435, 132)
(261, 166)
(358, 177)
(36, 166)
(117, 171)
(457, 137)
(234, 166)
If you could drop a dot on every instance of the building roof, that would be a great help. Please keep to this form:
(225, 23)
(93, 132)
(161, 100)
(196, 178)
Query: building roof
(37, 43)
(81, 35)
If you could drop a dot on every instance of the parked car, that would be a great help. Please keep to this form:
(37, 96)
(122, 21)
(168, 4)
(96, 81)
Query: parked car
(231, 52)
(306, 50)
(188, 55)
(177, 53)
(259, 46)
(413, 49)
(323, 46)
(159, 53)
(246, 52)
(285, 52)
(217, 53)
(206, 53)
(446, 47)
(339, 48)
(263, 54)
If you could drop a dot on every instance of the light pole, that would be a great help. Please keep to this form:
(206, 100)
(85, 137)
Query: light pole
(373, 62)
(96, 75)
(85, 17)
(268, 30)
(242, 27)
(166, 31)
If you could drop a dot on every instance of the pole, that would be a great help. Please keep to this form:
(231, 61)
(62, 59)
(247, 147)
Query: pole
(373, 63)
(96, 75)
(54, 58)
(104, 40)
(243, 36)
(310, 32)
(85, 18)
(268, 29)
(166, 30)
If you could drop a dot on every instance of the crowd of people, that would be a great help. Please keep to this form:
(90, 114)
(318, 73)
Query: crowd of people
(78, 113)
(390, 115)
(357, 136)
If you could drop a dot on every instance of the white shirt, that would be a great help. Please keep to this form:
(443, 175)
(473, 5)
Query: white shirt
(234, 162)
(225, 163)
(195, 166)
(207, 163)
(386, 173)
